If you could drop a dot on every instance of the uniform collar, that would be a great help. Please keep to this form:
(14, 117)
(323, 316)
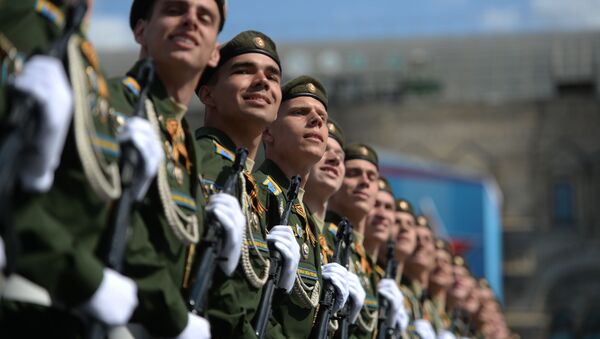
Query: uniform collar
(165, 105)
(332, 217)
(271, 169)
(222, 139)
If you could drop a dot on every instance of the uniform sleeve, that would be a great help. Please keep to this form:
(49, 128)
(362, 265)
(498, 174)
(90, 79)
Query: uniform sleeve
(49, 255)
(161, 308)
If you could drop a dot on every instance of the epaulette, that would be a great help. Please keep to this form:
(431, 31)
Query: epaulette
(50, 11)
(333, 228)
(380, 271)
(224, 152)
(272, 186)
(132, 85)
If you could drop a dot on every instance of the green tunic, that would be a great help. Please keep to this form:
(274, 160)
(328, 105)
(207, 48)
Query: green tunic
(234, 300)
(60, 229)
(293, 314)
(417, 303)
(168, 219)
(364, 267)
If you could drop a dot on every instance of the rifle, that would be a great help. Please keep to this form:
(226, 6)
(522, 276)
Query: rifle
(213, 243)
(383, 323)
(266, 300)
(20, 129)
(343, 239)
(113, 250)
(342, 315)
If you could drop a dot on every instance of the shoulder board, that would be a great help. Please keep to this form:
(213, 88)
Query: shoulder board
(333, 228)
(272, 186)
(224, 152)
(380, 271)
(50, 11)
(132, 85)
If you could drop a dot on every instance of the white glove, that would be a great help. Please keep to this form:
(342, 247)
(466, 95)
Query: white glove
(424, 329)
(283, 238)
(388, 289)
(2, 255)
(226, 209)
(139, 131)
(402, 319)
(114, 301)
(338, 275)
(197, 328)
(44, 78)
(357, 295)
(446, 335)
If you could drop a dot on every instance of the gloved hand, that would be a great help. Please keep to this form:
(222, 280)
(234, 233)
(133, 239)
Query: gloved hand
(338, 275)
(45, 79)
(197, 328)
(402, 319)
(424, 329)
(388, 289)
(2, 255)
(283, 238)
(114, 301)
(140, 133)
(446, 335)
(357, 294)
(226, 209)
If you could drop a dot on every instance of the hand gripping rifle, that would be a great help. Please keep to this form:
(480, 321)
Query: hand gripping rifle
(384, 321)
(342, 315)
(265, 306)
(20, 129)
(343, 239)
(213, 241)
(114, 243)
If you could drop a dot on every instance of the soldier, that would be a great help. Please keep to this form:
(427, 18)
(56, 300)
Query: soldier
(324, 180)
(241, 95)
(62, 209)
(440, 281)
(457, 296)
(417, 272)
(354, 200)
(378, 229)
(404, 233)
(294, 143)
(180, 36)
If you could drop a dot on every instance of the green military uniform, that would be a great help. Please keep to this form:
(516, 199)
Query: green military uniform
(60, 229)
(233, 301)
(365, 268)
(167, 222)
(293, 314)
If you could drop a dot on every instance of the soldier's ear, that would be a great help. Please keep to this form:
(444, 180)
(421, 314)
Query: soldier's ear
(139, 30)
(205, 94)
(215, 55)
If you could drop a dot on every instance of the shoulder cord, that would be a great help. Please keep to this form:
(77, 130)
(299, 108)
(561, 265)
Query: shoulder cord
(104, 178)
(184, 226)
(251, 275)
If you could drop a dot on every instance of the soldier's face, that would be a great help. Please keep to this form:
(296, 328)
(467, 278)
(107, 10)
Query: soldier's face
(327, 174)
(359, 187)
(424, 255)
(247, 90)
(442, 273)
(406, 236)
(299, 134)
(381, 217)
(181, 34)
(472, 302)
(460, 288)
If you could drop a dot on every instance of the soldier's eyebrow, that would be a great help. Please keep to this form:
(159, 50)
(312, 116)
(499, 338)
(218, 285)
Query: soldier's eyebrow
(242, 64)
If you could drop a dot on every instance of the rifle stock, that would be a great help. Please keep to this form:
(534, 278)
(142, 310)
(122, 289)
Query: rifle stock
(212, 243)
(266, 300)
(343, 238)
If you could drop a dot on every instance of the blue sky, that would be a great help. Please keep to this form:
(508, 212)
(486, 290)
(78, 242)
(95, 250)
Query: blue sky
(309, 20)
